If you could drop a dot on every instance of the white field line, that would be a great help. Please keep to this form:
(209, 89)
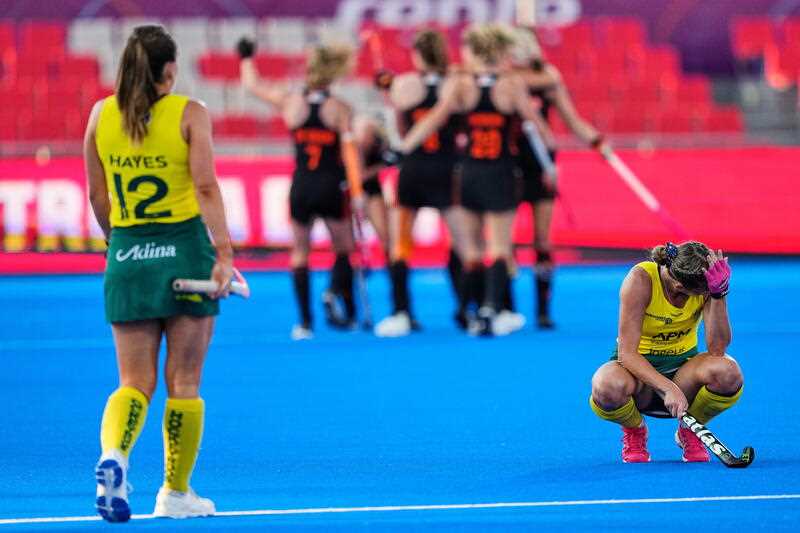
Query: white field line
(444, 507)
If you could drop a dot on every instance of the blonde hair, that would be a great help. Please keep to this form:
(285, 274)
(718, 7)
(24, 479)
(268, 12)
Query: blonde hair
(326, 63)
(148, 49)
(489, 42)
(431, 46)
(685, 262)
(526, 47)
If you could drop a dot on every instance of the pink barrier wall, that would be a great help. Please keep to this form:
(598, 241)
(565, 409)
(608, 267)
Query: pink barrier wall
(740, 200)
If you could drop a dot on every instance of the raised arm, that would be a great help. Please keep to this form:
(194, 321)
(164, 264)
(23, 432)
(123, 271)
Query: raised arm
(634, 296)
(563, 103)
(248, 74)
(715, 310)
(95, 175)
(197, 130)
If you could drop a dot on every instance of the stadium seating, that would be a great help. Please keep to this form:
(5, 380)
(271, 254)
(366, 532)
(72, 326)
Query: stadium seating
(775, 43)
(51, 72)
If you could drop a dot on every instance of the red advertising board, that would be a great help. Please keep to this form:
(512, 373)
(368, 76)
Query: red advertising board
(740, 200)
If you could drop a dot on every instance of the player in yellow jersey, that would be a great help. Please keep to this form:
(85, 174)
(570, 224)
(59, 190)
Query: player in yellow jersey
(154, 192)
(656, 368)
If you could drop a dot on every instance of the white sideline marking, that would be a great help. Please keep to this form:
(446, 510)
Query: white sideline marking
(444, 507)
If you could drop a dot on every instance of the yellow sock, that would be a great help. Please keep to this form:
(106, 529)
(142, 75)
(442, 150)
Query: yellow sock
(123, 419)
(183, 430)
(627, 415)
(707, 404)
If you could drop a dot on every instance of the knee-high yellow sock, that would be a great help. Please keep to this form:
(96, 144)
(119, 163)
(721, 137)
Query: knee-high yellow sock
(123, 419)
(707, 404)
(627, 415)
(183, 430)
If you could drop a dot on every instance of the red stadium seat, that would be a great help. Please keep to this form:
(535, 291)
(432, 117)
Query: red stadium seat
(750, 36)
(694, 89)
(219, 66)
(80, 67)
(280, 65)
(725, 119)
(791, 31)
(275, 127)
(782, 65)
(661, 62)
(236, 126)
(621, 31)
(43, 38)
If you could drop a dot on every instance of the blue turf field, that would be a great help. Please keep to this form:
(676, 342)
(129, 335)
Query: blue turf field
(437, 418)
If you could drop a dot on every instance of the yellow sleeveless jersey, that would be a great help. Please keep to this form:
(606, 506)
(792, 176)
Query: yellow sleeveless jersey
(668, 330)
(148, 182)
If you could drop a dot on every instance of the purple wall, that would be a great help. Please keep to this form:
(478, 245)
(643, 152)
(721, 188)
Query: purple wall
(699, 28)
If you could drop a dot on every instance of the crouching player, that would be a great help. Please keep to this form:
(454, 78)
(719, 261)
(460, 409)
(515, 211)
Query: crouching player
(656, 369)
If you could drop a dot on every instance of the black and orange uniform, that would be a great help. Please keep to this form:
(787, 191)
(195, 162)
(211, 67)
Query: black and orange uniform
(426, 176)
(426, 180)
(373, 159)
(489, 183)
(319, 189)
(534, 190)
(532, 172)
(319, 182)
(488, 177)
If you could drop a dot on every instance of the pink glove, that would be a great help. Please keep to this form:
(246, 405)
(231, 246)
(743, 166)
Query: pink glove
(717, 275)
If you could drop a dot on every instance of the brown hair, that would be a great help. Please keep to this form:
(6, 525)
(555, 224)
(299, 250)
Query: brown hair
(149, 48)
(326, 63)
(685, 262)
(489, 42)
(432, 48)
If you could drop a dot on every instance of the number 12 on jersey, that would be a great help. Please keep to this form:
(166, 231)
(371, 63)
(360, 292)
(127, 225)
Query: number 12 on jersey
(140, 209)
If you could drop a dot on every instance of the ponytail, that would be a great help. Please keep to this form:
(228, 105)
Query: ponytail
(326, 64)
(149, 48)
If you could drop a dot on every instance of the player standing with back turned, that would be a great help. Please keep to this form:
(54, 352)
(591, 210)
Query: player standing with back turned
(152, 187)
(326, 161)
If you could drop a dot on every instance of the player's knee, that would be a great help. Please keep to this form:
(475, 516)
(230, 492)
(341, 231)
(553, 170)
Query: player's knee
(724, 375)
(610, 390)
(145, 384)
(298, 258)
(183, 388)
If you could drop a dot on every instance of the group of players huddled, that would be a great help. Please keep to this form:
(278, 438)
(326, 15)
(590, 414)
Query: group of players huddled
(469, 149)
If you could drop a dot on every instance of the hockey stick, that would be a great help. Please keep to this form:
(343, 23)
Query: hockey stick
(238, 287)
(716, 446)
(353, 170)
(645, 196)
(546, 163)
(362, 270)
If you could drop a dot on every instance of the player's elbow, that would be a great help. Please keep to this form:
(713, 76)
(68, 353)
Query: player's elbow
(207, 190)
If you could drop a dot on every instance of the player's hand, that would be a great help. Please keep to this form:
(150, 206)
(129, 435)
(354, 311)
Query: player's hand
(602, 146)
(222, 273)
(391, 157)
(383, 80)
(550, 179)
(359, 204)
(675, 401)
(718, 274)
(245, 48)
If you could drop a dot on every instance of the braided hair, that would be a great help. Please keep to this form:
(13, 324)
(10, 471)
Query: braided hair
(684, 262)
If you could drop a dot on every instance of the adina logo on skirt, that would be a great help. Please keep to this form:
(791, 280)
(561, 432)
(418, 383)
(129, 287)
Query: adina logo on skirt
(148, 251)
